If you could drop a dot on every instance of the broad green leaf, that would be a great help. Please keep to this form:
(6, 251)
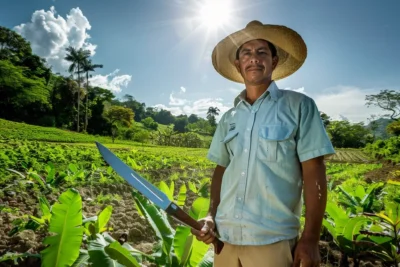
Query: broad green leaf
(109, 170)
(330, 228)
(208, 260)
(103, 219)
(183, 241)
(181, 196)
(37, 220)
(82, 260)
(37, 178)
(353, 227)
(192, 187)
(51, 172)
(199, 208)
(121, 255)
(98, 256)
(72, 167)
(137, 253)
(199, 249)
(166, 190)
(158, 221)
(66, 224)
(392, 211)
(45, 208)
(393, 182)
(172, 189)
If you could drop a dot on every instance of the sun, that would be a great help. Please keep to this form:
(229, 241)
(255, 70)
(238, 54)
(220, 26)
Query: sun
(215, 14)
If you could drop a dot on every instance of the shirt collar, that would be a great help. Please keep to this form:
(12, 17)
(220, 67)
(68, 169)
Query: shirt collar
(272, 90)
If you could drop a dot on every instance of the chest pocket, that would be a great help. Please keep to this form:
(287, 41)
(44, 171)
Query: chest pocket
(230, 142)
(271, 139)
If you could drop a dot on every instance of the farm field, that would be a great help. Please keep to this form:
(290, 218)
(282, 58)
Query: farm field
(36, 170)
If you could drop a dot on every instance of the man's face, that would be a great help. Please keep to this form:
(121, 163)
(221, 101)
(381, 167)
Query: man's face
(255, 62)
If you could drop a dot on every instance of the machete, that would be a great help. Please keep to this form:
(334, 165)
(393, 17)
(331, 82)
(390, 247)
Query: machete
(151, 192)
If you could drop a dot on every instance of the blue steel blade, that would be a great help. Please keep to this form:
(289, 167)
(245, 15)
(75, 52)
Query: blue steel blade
(142, 185)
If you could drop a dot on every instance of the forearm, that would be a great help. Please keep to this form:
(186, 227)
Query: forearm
(215, 190)
(315, 196)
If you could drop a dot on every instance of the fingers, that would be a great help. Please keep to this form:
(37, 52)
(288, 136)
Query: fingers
(206, 234)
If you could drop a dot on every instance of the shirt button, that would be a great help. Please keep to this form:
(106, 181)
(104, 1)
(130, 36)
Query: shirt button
(236, 216)
(248, 129)
(243, 173)
(245, 151)
(239, 198)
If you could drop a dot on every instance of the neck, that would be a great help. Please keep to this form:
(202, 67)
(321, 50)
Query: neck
(253, 92)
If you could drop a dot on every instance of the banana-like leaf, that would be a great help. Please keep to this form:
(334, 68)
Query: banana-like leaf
(166, 190)
(181, 196)
(208, 260)
(188, 249)
(45, 208)
(82, 260)
(37, 178)
(98, 256)
(353, 227)
(103, 219)
(159, 222)
(121, 255)
(66, 224)
(393, 182)
(192, 187)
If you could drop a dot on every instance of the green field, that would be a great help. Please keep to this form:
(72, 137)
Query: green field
(38, 162)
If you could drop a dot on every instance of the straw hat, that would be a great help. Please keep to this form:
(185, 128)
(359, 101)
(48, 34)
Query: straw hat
(291, 49)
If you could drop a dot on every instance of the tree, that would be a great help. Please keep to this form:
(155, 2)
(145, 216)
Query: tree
(394, 128)
(180, 124)
(211, 114)
(325, 119)
(149, 123)
(77, 59)
(388, 100)
(343, 134)
(117, 114)
(87, 67)
(193, 118)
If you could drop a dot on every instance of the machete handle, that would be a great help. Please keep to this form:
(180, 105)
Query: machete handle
(182, 216)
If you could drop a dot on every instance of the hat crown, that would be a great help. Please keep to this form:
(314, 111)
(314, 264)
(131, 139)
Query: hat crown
(254, 23)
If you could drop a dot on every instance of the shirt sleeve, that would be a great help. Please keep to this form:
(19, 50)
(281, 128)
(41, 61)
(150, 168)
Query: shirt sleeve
(312, 138)
(218, 152)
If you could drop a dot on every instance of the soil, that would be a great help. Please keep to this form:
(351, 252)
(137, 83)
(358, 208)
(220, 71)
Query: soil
(125, 221)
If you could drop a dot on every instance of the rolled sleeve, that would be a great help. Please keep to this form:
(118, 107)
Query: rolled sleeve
(312, 138)
(218, 152)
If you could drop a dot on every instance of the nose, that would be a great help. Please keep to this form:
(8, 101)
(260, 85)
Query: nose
(254, 58)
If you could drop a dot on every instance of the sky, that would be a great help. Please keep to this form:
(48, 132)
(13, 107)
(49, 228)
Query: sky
(159, 51)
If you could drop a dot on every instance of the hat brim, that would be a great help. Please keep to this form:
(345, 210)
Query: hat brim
(291, 50)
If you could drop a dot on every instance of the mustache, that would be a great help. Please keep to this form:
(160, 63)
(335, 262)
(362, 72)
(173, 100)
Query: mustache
(255, 67)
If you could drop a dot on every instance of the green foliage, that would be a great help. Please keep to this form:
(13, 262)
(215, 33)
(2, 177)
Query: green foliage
(149, 123)
(66, 224)
(343, 134)
(385, 149)
(394, 128)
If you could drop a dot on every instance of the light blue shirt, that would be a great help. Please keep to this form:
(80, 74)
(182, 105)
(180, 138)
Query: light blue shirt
(262, 147)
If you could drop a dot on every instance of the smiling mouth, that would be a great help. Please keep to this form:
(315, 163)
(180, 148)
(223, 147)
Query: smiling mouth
(254, 69)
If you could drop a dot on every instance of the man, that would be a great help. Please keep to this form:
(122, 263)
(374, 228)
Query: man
(268, 147)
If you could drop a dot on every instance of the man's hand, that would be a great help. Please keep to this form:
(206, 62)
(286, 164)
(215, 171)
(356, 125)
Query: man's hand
(306, 254)
(207, 233)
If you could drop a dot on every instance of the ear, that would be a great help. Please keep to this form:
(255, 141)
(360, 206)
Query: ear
(275, 61)
(237, 65)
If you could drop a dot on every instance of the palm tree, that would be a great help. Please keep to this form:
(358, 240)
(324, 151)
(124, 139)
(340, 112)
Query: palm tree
(77, 59)
(87, 67)
(211, 113)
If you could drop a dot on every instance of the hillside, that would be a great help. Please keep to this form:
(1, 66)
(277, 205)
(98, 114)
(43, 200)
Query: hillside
(380, 131)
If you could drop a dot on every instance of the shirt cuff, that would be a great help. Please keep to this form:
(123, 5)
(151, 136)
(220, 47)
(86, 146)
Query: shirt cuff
(325, 151)
(218, 161)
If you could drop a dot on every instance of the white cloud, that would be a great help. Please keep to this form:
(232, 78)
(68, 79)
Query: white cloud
(346, 102)
(173, 101)
(183, 89)
(198, 107)
(111, 81)
(300, 90)
(50, 34)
